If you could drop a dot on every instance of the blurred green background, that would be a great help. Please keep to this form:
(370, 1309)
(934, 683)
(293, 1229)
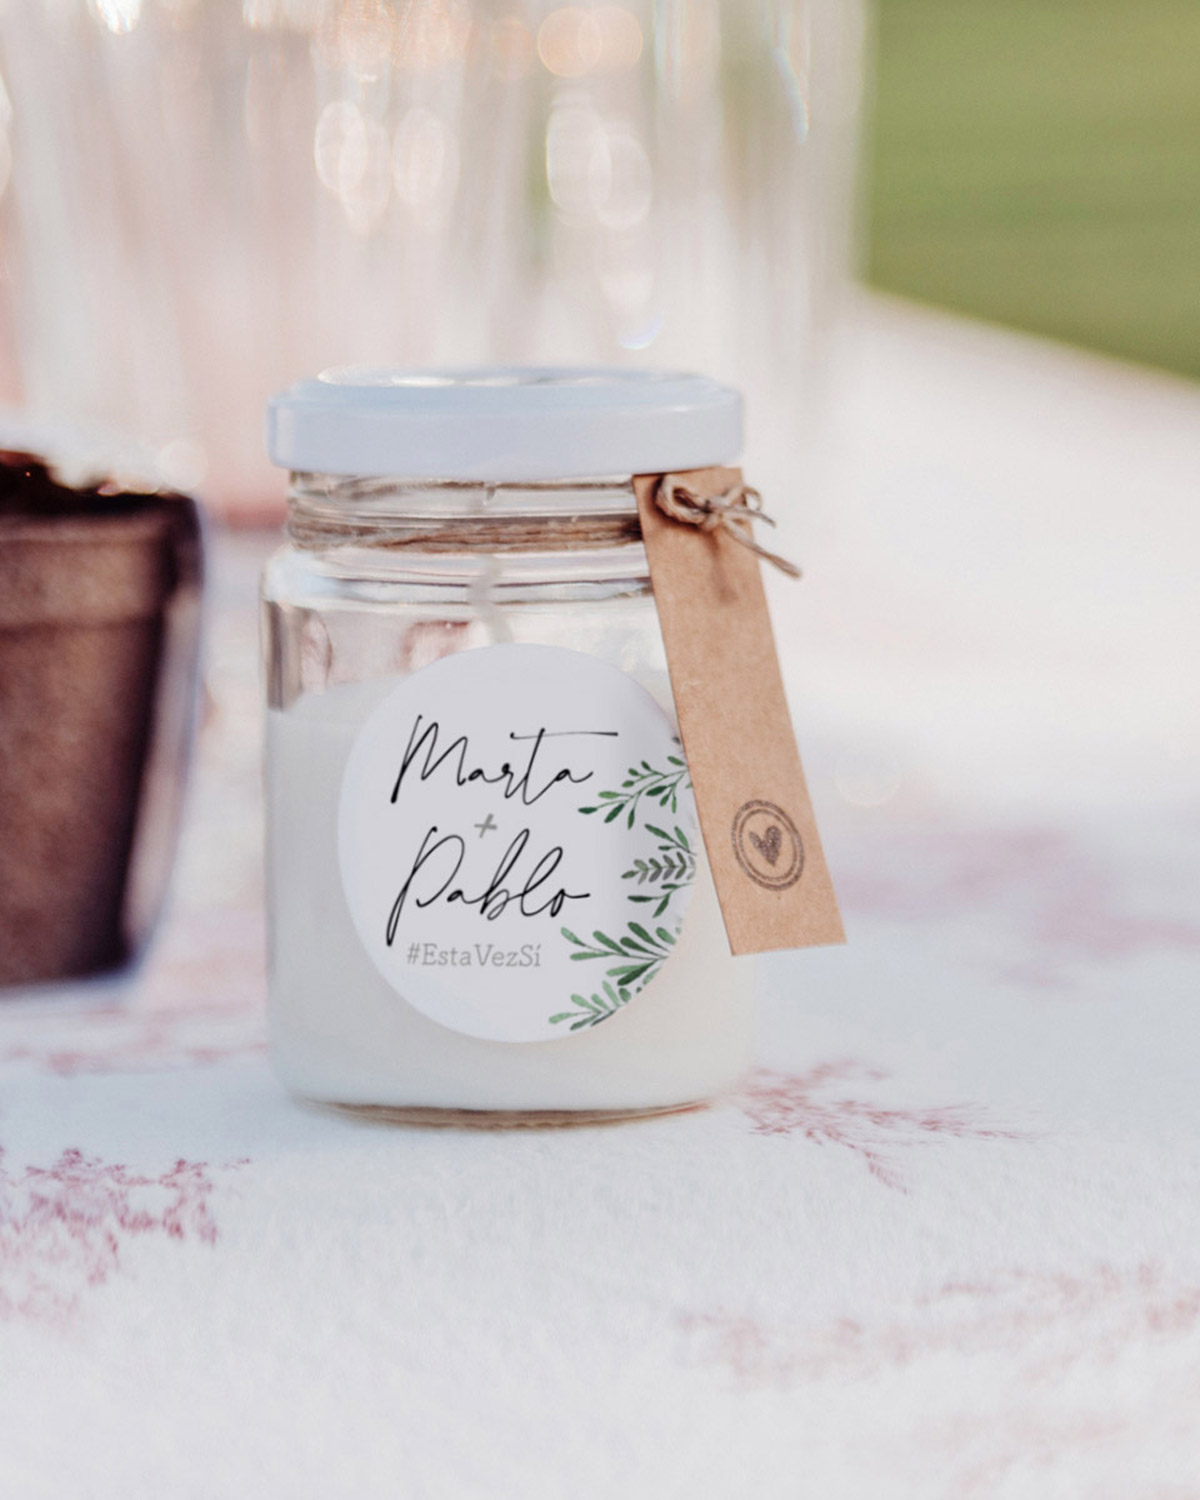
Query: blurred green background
(1037, 162)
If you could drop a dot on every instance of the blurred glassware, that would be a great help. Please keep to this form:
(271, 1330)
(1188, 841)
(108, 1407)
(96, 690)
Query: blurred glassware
(207, 199)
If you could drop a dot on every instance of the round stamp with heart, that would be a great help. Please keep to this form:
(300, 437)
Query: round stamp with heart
(767, 844)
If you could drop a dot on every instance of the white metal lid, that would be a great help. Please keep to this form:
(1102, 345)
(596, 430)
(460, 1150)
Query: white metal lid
(503, 423)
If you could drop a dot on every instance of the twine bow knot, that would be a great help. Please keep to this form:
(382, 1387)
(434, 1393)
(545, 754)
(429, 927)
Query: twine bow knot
(730, 511)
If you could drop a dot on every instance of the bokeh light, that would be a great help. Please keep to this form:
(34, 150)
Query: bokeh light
(425, 162)
(574, 40)
(117, 16)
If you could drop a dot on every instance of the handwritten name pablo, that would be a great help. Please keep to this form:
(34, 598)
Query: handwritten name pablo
(522, 878)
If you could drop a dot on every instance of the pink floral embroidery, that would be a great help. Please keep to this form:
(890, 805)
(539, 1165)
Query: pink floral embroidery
(200, 1000)
(1068, 900)
(798, 1104)
(130, 1045)
(1045, 1322)
(62, 1227)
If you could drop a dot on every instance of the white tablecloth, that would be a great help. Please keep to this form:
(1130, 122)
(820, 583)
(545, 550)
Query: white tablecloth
(945, 1242)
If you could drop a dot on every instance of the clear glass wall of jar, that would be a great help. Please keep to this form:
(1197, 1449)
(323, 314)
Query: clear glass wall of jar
(380, 579)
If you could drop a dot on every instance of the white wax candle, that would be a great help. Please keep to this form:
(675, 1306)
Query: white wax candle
(341, 1033)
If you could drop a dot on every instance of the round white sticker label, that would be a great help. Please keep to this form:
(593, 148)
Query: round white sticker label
(517, 838)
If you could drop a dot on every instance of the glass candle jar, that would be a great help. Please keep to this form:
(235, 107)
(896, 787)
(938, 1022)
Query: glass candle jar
(488, 894)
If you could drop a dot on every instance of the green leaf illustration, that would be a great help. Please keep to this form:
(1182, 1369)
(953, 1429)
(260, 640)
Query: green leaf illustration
(632, 958)
(646, 781)
(590, 1010)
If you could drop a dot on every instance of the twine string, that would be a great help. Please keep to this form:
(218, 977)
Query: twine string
(730, 511)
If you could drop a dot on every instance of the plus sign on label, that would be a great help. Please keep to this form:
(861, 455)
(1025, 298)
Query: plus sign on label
(517, 840)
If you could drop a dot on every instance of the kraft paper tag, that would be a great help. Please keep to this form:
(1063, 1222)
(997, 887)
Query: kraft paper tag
(755, 814)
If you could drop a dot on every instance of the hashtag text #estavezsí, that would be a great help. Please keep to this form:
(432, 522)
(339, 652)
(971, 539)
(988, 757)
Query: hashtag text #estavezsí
(475, 955)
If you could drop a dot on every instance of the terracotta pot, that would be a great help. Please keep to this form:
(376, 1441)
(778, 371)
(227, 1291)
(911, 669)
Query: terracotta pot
(98, 632)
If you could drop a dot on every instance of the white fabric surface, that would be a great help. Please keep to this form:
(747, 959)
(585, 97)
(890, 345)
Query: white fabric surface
(946, 1243)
